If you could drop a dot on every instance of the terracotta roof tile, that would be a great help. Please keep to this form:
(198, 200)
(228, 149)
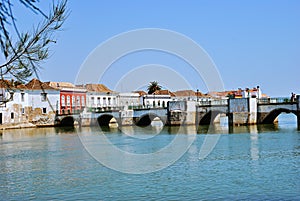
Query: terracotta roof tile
(164, 92)
(141, 93)
(97, 88)
(8, 84)
(36, 84)
(59, 85)
(5, 84)
(187, 93)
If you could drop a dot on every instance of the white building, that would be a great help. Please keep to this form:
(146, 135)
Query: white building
(34, 102)
(159, 98)
(13, 100)
(130, 99)
(42, 96)
(100, 97)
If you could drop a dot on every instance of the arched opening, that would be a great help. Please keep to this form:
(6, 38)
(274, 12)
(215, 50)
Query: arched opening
(105, 120)
(67, 122)
(286, 120)
(211, 117)
(157, 122)
(272, 117)
(280, 118)
(149, 119)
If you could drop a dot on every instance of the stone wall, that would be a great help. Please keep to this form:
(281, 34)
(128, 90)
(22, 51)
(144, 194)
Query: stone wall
(242, 111)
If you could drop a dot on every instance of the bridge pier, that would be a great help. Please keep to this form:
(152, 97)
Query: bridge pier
(181, 113)
(242, 111)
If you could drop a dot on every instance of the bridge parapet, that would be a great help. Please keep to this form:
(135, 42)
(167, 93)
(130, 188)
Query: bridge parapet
(212, 102)
(274, 100)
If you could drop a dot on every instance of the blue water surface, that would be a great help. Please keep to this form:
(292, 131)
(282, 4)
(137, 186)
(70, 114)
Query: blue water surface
(248, 163)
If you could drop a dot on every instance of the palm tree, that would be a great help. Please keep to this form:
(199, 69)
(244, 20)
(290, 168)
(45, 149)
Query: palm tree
(153, 86)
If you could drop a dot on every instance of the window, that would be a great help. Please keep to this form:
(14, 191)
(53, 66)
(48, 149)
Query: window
(104, 101)
(44, 110)
(78, 100)
(63, 103)
(73, 101)
(44, 96)
(22, 97)
(92, 101)
(82, 101)
(109, 101)
(23, 110)
(98, 101)
(12, 115)
(68, 101)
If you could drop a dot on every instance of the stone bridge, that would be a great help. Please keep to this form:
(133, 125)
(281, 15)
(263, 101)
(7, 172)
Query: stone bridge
(144, 117)
(206, 114)
(267, 113)
(139, 117)
(67, 119)
(240, 111)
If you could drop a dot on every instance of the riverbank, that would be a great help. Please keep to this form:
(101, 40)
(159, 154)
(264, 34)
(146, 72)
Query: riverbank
(17, 126)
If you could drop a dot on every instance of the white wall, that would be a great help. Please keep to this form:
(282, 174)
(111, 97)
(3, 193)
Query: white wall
(157, 100)
(13, 110)
(95, 99)
(129, 99)
(35, 100)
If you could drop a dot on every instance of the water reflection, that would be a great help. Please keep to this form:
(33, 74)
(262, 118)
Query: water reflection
(61, 130)
(254, 147)
(146, 133)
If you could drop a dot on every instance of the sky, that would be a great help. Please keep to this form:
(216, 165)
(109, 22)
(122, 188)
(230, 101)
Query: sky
(251, 43)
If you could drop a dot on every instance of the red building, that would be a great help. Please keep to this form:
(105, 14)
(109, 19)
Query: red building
(72, 98)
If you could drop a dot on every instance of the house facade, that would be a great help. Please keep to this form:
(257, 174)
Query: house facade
(72, 99)
(100, 98)
(159, 98)
(129, 100)
(34, 102)
(13, 101)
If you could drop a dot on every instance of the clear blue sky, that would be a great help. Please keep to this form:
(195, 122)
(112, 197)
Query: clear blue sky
(251, 42)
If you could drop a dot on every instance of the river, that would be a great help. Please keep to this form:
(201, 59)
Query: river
(247, 163)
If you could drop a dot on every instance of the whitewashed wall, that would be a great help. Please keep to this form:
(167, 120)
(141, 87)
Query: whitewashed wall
(129, 99)
(35, 100)
(13, 110)
(96, 99)
(155, 100)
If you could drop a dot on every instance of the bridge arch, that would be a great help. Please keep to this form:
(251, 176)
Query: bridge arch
(272, 115)
(209, 117)
(67, 121)
(105, 119)
(146, 119)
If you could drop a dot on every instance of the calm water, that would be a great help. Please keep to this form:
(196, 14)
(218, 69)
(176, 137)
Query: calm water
(249, 163)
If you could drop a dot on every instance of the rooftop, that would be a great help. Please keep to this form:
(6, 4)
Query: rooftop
(36, 84)
(97, 88)
(164, 92)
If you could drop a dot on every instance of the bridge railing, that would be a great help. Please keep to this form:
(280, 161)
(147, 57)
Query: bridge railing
(104, 109)
(274, 100)
(145, 107)
(213, 102)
